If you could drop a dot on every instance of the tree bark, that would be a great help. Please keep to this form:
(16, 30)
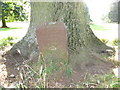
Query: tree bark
(0, 10)
(2, 17)
(4, 23)
(84, 46)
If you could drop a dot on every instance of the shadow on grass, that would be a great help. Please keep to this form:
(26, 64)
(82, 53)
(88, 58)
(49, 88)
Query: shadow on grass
(7, 29)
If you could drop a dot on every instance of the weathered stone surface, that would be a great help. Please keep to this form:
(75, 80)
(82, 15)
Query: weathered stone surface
(52, 37)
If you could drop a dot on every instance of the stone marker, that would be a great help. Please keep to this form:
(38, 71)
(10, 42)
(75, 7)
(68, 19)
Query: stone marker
(52, 37)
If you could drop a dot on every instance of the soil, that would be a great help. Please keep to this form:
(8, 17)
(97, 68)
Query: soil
(10, 76)
(9, 71)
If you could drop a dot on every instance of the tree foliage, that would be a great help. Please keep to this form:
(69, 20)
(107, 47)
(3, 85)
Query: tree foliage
(12, 11)
(114, 12)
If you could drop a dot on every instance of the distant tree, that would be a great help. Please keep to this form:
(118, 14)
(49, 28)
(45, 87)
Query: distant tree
(12, 11)
(113, 15)
(86, 11)
(0, 10)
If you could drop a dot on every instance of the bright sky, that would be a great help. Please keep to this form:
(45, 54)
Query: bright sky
(98, 8)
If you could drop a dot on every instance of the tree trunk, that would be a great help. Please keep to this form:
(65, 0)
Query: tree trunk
(0, 10)
(4, 23)
(84, 47)
(2, 17)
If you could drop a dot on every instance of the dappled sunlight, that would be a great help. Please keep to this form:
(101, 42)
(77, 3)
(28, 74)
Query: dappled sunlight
(110, 33)
(3, 73)
(17, 32)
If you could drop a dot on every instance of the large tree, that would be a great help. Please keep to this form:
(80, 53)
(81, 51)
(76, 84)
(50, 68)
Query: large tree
(113, 15)
(85, 49)
(0, 10)
(12, 11)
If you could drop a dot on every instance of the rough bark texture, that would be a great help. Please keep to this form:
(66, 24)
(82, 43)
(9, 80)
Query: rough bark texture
(1, 17)
(0, 10)
(4, 23)
(82, 42)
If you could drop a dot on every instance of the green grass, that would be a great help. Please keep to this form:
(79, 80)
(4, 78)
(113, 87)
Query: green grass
(104, 40)
(69, 70)
(98, 27)
(9, 41)
(100, 81)
(55, 61)
(48, 65)
(7, 29)
(115, 42)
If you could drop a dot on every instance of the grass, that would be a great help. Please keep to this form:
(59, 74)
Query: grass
(9, 41)
(7, 29)
(68, 71)
(46, 67)
(100, 81)
(54, 60)
(98, 27)
(104, 40)
(116, 42)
